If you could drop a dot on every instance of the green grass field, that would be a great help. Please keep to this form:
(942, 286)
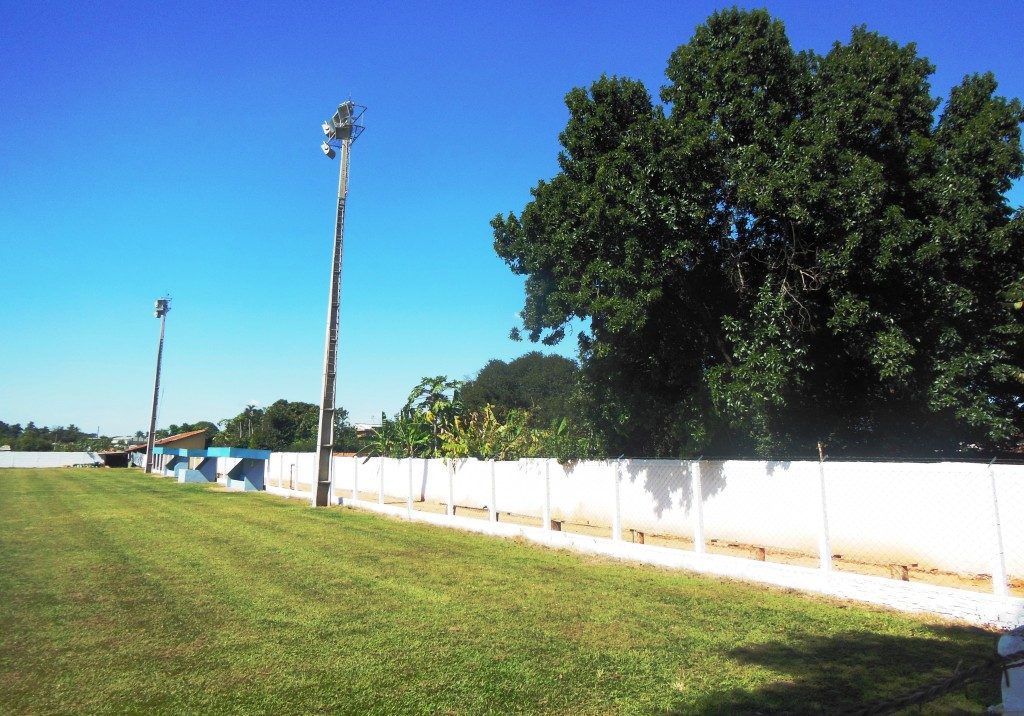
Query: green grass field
(124, 592)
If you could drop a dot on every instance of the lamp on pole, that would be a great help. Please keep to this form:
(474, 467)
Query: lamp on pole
(340, 131)
(162, 306)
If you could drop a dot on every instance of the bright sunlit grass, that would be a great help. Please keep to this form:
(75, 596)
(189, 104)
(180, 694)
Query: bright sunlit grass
(125, 592)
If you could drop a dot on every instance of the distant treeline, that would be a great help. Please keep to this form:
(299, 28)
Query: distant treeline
(35, 438)
(534, 386)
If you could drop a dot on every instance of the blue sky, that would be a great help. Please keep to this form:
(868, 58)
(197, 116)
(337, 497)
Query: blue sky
(149, 148)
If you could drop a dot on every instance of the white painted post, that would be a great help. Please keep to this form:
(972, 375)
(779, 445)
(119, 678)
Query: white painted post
(493, 507)
(451, 488)
(616, 505)
(545, 515)
(334, 496)
(1000, 586)
(697, 491)
(355, 479)
(824, 548)
(380, 480)
(1012, 680)
(408, 499)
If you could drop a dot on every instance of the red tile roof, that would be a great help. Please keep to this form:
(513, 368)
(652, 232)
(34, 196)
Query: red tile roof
(165, 441)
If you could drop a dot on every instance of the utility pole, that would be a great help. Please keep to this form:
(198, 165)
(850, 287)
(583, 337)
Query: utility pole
(341, 130)
(163, 305)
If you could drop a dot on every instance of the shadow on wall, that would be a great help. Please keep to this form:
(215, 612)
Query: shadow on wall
(670, 483)
(840, 673)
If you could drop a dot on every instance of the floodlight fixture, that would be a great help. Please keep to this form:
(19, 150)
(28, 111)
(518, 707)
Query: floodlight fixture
(328, 150)
(343, 126)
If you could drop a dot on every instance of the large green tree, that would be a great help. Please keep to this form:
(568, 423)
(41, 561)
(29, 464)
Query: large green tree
(794, 247)
(284, 426)
(539, 384)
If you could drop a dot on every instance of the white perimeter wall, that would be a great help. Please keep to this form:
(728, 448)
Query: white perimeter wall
(939, 515)
(10, 458)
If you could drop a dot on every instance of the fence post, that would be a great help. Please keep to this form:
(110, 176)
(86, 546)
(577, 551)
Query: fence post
(451, 488)
(493, 507)
(616, 506)
(1012, 679)
(824, 548)
(697, 490)
(545, 516)
(999, 582)
(380, 480)
(408, 498)
(332, 490)
(355, 479)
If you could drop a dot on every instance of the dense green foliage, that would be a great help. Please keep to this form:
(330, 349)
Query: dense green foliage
(539, 384)
(796, 247)
(436, 423)
(127, 593)
(283, 426)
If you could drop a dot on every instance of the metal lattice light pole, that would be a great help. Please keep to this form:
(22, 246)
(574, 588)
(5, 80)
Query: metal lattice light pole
(163, 305)
(341, 130)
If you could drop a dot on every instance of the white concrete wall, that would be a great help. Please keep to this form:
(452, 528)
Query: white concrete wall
(14, 458)
(937, 515)
(285, 467)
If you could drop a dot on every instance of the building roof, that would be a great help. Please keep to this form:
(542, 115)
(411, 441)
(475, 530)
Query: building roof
(170, 439)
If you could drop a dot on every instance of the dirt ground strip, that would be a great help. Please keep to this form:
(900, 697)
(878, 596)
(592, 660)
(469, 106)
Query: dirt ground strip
(907, 572)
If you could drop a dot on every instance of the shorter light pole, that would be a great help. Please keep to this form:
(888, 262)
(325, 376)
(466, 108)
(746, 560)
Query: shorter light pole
(163, 305)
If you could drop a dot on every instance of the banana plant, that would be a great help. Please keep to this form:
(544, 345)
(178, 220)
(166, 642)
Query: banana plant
(413, 435)
(382, 441)
(437, 400)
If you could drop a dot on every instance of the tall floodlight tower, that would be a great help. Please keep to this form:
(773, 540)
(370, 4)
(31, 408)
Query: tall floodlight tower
(341, 130)
(163, 305)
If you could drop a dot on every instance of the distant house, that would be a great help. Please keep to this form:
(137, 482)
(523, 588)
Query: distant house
(136, 454)
(365, 430)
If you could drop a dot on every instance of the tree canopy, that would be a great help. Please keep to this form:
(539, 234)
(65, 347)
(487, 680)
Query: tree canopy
(436, 423)
(283, 426)
(534, 382)
(794, 247)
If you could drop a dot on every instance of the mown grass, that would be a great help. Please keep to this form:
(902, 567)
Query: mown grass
(124, 592)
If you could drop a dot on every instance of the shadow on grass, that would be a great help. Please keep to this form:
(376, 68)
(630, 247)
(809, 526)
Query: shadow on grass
(836, 674)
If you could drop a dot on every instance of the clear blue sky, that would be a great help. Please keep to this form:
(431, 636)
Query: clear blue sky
(150, 147)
